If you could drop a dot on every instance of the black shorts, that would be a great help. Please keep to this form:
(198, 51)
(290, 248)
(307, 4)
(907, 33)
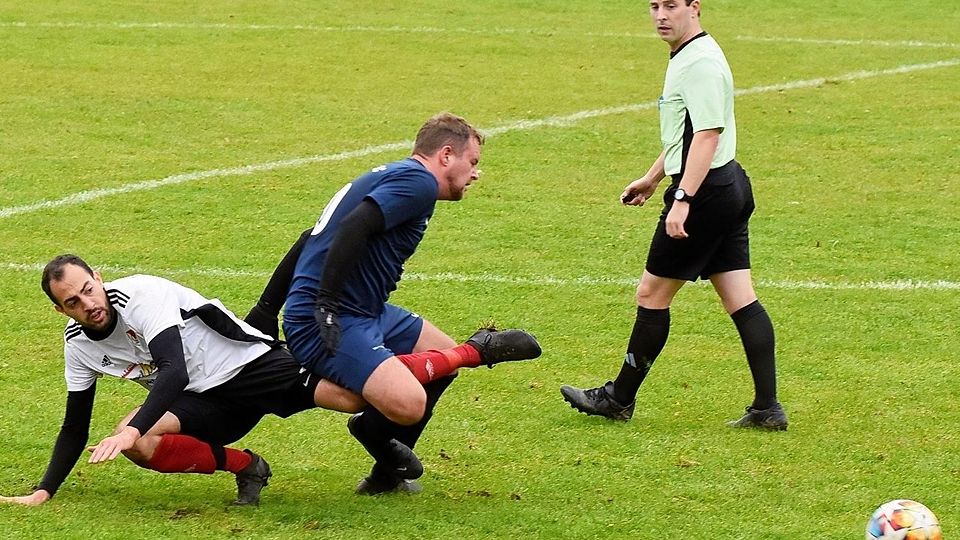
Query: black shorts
(272, 384)
(716, 226)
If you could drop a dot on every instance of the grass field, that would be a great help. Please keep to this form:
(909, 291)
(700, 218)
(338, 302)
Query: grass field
(196, 140)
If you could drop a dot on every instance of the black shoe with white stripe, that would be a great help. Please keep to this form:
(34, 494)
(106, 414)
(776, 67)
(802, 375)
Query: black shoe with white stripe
(392, 456)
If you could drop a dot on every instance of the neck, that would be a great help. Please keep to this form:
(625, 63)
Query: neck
(686, 37)
(431, 164)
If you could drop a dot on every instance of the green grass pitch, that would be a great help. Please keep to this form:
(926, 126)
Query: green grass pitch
(195, 140)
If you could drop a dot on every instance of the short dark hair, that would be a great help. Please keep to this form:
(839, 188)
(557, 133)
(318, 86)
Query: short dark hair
(443, 129)
(53, 271)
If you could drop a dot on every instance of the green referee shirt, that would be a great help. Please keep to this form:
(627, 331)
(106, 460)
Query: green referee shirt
(697, 95)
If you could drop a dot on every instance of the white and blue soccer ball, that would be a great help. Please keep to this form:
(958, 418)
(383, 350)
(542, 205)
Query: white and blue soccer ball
(903, 519)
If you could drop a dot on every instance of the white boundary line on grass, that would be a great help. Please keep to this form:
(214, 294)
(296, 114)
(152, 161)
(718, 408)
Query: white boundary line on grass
(898, 285)
(459, 30)
(555, 121)
(852, 42)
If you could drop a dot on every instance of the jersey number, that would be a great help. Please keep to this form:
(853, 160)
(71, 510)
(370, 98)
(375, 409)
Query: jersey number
(330, 209)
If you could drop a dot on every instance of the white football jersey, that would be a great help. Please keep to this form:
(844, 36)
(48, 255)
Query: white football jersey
(216, 344)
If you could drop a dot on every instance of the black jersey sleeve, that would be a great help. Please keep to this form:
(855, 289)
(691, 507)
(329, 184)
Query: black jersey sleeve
(167, 351)
(72, 439)
(263, 316)
(349, 245)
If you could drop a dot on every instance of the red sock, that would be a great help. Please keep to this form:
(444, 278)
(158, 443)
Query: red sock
(237, 460)
(185, 454)
(432, 365)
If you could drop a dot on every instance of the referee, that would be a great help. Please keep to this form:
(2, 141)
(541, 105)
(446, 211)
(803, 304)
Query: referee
(702, 232)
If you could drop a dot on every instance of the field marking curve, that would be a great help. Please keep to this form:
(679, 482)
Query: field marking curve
(540, 281)
(495, 31)
(552, 121)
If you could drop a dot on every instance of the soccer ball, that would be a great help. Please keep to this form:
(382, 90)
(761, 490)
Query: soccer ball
(903, 519)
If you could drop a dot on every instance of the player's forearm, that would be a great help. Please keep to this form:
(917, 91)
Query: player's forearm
(167, 352)
(66, 453)
(275, 293)
(656, 172)
(70, 441)
(702, 148)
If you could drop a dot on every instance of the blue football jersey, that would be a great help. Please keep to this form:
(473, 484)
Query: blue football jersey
(406, 193)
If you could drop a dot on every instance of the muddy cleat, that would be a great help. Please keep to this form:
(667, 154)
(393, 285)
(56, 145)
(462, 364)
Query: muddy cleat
(393, 457)
(379, 482)
(774, 418)
(597, 402)
(497, 346)
(251, 480)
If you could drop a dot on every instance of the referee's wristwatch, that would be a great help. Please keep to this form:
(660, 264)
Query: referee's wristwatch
(682, 196)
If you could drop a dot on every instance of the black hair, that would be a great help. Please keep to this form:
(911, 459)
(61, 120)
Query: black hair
(53, 271)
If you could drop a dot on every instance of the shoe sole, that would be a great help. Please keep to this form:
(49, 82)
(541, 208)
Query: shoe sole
(760, 427)
(573, 405)
(405, 487)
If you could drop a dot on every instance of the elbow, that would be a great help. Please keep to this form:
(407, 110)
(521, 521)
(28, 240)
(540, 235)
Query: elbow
(181, 379)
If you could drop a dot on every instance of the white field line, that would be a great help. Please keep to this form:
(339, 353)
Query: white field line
(540, 281)
(319, 28)
(437, 30)
(853, 42)
(553, 121)
(92, 194)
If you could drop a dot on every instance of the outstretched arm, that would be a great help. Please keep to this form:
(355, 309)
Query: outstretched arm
(263, 316)
(70, 442)
(167, 352)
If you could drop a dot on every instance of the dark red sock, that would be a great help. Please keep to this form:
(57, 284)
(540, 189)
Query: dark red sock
(432, 365)
(237, 460)
(178, 453)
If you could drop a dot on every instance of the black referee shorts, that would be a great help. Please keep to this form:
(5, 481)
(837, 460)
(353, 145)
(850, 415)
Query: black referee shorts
(271, 384)
(716, 226)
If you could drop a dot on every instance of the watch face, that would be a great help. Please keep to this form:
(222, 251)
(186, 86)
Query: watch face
(679, 194)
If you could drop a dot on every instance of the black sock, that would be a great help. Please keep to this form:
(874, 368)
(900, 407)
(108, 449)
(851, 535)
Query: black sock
(756, 333)
(650, 332)
(409, 435)
(374, 426)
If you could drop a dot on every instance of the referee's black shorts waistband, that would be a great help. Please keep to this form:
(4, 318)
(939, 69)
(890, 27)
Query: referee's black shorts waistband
(723, 175)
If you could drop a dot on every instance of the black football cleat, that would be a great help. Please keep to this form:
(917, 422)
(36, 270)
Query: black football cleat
(597, 402)
(380, 482)
(251, 480)
(773, 418)
(392, 456)
(497, 346)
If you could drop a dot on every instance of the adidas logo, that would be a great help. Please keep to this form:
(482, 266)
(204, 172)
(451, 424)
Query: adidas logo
(106, 361)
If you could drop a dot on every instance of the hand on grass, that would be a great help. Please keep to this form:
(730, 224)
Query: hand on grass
(112, 446)
(36, 498)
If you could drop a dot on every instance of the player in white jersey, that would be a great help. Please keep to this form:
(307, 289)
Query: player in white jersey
(210, 378)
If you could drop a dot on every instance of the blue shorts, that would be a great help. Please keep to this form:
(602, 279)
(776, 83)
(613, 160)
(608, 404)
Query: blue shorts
(365, 343)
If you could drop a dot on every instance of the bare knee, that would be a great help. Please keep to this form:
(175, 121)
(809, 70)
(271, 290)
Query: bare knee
(396, 393)
(142, 451)
(655, 292)
(407, 411)
(644, 294)
(651, 298)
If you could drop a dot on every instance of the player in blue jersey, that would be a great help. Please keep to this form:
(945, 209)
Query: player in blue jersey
(337, 279)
